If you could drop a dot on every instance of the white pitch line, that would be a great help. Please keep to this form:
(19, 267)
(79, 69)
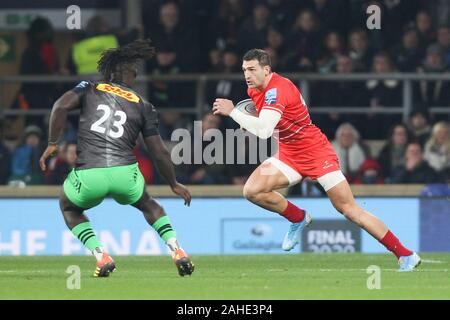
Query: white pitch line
(432, 261)
(29, 271)
(358, 270)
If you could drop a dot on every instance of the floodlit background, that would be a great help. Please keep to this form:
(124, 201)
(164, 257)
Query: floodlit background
(372, 92)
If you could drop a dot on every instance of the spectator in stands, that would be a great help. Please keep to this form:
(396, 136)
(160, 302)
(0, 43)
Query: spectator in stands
(276, 45)
(5, 158)
(340, 94)
(332, 14)
(359, 50)
(226, 22)
(277, 65)
(215, 61)
(98, 37)
(253, 32)
(227, 89)
(177, 51)
(443, 40)
(64, 163)
(176, 38)
(333, 48)
(382, 93)
(437, 148)
(394, 15)
(419, 126)
(408, 55)
(434, 93)
(169, 93)
(424, 29)
(305, 42)
(393, 153)
(39, 58)
(170, 121)
(369, 173)
(440, 11)
(239, 172)
(5, 163)
(283, 12)
(25, 161)
(416, 169)
(349, 150)
(204, 173)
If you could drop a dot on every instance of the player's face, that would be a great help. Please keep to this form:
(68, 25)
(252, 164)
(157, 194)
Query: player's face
(255, 74)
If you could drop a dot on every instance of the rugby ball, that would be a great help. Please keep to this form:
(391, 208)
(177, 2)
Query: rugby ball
(247, 106)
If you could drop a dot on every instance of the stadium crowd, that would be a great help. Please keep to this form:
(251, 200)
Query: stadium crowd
(320, 36)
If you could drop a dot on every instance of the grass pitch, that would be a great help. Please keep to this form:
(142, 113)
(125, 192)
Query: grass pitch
(302, 276)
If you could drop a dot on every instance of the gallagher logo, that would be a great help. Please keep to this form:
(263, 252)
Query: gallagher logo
(130, 96)
(261, 230)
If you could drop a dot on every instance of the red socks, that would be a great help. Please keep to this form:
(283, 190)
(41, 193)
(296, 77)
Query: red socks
(293, 213)
(393, 244)
(390, 241)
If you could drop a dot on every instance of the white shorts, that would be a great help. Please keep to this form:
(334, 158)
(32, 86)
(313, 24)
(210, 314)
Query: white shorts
(327, 181)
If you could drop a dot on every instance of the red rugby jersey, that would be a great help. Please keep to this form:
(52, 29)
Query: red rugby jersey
(295, 126)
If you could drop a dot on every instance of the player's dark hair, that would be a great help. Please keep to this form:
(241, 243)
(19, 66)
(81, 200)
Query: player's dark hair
(124, 58)
(258, 54)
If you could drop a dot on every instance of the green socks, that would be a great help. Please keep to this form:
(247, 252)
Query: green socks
(86, 235)
(164, 228)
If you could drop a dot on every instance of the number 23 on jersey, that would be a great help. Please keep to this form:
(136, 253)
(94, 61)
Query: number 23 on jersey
(117, 124)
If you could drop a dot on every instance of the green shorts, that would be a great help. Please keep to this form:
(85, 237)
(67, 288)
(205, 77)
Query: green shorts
(87, 188)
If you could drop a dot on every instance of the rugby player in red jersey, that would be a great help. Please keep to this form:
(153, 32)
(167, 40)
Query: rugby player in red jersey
(303, 151)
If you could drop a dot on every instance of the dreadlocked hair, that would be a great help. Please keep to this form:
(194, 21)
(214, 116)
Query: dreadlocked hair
(129, 54)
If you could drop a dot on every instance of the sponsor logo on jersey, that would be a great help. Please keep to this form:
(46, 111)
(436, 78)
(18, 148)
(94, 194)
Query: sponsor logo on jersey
(271, 96)
(130, 96)
(327, 165)
(82, 85)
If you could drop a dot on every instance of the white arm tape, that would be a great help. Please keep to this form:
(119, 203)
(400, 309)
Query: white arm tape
(261, 126)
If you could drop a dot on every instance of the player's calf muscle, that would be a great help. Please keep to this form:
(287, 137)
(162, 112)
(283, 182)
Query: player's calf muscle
(348, 208)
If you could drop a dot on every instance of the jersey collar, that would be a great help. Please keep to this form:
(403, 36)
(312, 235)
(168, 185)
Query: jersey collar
(123, 84)
(268, 83)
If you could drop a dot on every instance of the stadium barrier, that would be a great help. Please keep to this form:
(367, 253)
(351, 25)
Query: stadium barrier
(303, 80)
(207, 191)
(219, 223)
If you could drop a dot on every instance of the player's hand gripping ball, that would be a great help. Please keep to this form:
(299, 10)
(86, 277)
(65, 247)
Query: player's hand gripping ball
(247, 106)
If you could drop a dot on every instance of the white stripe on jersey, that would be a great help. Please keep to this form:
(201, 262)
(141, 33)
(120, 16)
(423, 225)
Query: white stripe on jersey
(287, 127)
(304, 117)
(294, 132)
